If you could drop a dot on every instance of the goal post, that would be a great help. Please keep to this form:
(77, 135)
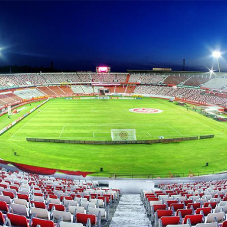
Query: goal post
(123, 134)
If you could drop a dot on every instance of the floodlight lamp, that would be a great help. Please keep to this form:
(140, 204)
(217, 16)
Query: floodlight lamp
(216, 54)
(211, 71)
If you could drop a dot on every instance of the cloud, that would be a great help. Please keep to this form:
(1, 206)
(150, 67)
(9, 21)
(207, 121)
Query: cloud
(31, 54)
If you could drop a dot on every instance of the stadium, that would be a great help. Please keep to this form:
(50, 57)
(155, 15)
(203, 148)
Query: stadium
(129, 131)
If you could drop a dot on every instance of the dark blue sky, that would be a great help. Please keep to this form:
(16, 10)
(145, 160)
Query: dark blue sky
(81, 35)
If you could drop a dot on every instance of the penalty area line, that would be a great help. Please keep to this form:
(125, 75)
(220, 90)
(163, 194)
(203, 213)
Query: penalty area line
(24, 124)
(175, 130)
(30, 119)
(62, 131)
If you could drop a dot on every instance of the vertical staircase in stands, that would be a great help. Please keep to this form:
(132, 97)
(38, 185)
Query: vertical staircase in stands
(130, 212)
(127, 79)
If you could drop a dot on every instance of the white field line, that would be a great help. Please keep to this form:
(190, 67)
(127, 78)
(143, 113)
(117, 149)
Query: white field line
(113, 124)
(196, 120)
(102, 132)
(62, 131)
(107, 124)
(28, 121)
(122, 124)
(175, 130)
(149, 134)
(24, 125)
(211, 127)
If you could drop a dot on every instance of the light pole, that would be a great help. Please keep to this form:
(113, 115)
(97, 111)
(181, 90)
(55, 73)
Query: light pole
(217, 54)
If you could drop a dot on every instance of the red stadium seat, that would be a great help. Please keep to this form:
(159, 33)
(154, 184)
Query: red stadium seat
(212, 204)
(104, 198)
(3, 185)
(169, 191)
(56, 207)
(42, 223)
(194, 205)
(224, 224)
(174, 220)
(87, 197)
(2, 219)
(188, 195)
(152, 199)
(161, 213)
(94, 195)
(83, 218)
(150, 195)
(110, 197)
(39, 204)
(194, 219)
(36, 188)
(18, 220)
(186, 202)
(160, 193)
(184, 212)
(172, 193)
(169, 202)
(80, 189)
(23, 196)
(14, 187)
(206, 210)
(176, 206)
(4, 207)
(156, 207)
(38, 194)
(58, 188)
(68, 198)
(10, 194)
(53, 196)
(72, 196)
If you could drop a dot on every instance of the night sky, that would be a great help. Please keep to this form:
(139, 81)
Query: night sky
(80, 35)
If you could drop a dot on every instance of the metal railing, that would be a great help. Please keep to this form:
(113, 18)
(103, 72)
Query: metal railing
(155, 175)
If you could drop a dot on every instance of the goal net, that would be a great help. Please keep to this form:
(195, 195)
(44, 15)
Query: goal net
(123, 134)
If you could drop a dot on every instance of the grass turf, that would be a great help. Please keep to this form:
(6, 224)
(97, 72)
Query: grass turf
(94, 119)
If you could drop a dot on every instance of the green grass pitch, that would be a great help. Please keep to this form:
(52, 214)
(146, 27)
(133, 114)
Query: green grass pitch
(93, 120)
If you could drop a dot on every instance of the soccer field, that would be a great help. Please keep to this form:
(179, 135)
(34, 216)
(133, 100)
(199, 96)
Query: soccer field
(89, 119)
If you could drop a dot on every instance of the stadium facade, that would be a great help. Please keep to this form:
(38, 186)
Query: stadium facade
(198, 87)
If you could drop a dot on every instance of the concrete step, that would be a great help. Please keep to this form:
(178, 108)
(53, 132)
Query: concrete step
(130, 212)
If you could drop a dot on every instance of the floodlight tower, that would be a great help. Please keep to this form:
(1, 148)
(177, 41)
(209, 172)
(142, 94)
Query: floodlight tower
(217, 54)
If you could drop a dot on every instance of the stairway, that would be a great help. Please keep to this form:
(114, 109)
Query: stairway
(127, 79)
(130, 212)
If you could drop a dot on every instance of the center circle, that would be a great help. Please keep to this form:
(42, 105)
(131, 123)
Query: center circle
(145, 110)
